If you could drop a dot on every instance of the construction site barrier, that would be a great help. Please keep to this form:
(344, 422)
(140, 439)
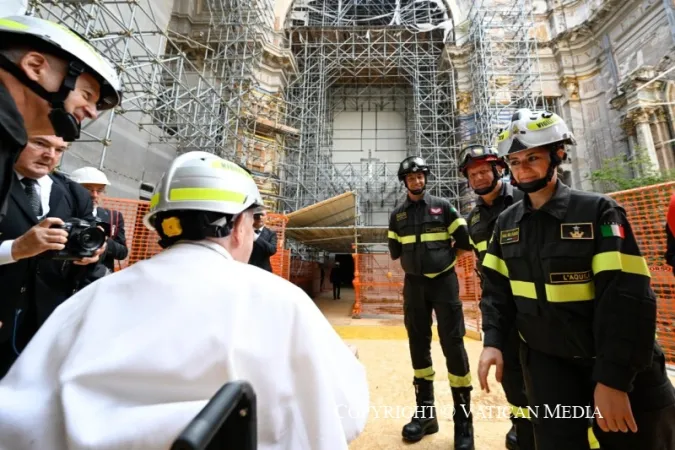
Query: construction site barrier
(646, 209)
(378, 287)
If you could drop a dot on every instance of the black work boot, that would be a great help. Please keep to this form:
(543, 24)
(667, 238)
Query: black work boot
(512, 437)
(424, 420)
(463, 419)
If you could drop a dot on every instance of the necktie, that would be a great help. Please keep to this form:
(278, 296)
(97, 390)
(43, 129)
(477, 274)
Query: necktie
(257, 231)
(33, 197)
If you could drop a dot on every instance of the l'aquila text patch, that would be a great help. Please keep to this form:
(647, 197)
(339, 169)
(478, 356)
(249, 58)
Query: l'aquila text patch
(576, 231)
(509, 236)
(570, 277)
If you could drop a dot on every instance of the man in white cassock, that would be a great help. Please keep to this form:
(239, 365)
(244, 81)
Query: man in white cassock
(130, 360)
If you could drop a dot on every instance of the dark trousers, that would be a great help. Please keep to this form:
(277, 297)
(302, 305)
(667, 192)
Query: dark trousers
(514, 388)
(421, 296)
(336, 290)
(556, 381)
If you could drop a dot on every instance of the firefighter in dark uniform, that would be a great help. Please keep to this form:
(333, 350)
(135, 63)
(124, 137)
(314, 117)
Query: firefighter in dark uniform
(483, 169)
(421, 232)
(565, 268)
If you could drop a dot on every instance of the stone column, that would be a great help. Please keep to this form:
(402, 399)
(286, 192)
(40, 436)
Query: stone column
(581, 165)
(640, 117)
(663, 133)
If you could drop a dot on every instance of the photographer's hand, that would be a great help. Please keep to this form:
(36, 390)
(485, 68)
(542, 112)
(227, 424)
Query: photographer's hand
(39, 239)
(92, 259)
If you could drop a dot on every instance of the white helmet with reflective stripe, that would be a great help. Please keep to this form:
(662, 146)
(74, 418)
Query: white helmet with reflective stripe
(66, 43)
(89, 175)
(529, 129)
(200, 181)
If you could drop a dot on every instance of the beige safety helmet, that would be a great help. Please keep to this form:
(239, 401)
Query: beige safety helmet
(89, 175)
(200, 181)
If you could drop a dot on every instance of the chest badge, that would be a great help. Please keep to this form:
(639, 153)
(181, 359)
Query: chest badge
(401, 216)
(576, 231)
(475, 219)
(509, 236)
(436, 211)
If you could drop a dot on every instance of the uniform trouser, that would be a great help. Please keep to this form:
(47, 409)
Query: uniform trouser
(514, 388)
(421, 296)
(556, 382)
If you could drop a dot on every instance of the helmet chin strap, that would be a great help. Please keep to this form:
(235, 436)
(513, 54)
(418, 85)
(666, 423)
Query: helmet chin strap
(416, 191)
(64, 123)
(493, 185)
(537, 185)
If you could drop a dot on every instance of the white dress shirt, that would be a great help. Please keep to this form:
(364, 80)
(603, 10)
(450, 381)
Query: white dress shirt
(44, 188)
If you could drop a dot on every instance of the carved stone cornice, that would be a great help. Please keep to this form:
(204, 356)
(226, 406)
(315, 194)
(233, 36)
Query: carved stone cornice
(464, 102)
(628, 127)
(640, 115)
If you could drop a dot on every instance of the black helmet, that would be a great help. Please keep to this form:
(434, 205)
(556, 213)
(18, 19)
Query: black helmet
(477, 152)
(412, 164)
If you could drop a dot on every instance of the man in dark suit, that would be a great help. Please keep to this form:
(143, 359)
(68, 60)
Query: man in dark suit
(264, 244)
(34, 285)
(95, 181)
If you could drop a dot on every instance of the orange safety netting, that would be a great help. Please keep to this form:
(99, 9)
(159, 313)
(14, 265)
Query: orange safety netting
(647, 209)
(378, 286)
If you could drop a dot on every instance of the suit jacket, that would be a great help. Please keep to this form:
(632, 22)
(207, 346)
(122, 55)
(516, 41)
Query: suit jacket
(263, 248)
(34, 287)
(117, 241)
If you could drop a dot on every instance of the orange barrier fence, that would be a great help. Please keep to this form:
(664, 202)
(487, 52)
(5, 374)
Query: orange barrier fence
(378, 286)
(646, 209)
(305, 274)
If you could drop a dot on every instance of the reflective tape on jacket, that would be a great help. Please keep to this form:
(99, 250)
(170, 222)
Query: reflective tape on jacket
(620, 261)
(402, 239)
(434, 275)
(456, 224)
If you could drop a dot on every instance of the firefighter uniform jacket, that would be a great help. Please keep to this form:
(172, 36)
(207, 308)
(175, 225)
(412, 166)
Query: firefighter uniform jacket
(572, 277)
(420, 234)
(483, 217)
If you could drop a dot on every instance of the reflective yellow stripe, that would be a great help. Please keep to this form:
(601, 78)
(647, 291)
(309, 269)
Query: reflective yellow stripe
(592, 440)
(457, 381)
(154, 200)
(434, 275)
(576, 292)
(521, 337)
(496, 264)
(523, 289)
(520, 412)
(429, 237)
(205, 194)
(6, 23)
(427, 374)
(620, 261)
(456, 224)
(403, 240)
(481, 246)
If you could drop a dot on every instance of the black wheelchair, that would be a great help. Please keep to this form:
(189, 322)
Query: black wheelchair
(228, 421)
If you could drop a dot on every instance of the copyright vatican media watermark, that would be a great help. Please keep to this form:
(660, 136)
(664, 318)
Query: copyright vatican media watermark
(479, 412)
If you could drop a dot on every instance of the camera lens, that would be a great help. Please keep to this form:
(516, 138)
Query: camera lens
(91, 239)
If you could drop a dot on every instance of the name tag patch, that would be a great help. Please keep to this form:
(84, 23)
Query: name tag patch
(576, 231)
(570, 277)
(401, 216)
(436, 211)
(509, 236)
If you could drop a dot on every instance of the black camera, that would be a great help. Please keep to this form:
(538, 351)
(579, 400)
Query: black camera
(84, 239)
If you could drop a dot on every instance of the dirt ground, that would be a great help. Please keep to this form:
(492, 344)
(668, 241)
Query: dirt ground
(383, 348)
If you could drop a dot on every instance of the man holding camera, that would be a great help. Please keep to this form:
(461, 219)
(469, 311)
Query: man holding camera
(34, 282)
(95, 181)
(51, 79)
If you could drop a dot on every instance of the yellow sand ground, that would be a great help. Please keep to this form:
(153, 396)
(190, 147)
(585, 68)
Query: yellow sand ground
(383, 348)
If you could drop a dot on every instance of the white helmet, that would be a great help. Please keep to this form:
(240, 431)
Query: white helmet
(89, 175)
(66, 43)
(200, 181)
(530, 129)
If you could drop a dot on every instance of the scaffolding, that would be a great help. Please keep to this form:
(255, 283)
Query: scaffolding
(190, 79)
(371, 55)
(504, 64)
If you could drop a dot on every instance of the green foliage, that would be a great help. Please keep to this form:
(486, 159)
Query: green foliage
(624, 172)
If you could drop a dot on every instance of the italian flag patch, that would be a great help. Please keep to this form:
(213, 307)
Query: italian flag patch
(612, 230)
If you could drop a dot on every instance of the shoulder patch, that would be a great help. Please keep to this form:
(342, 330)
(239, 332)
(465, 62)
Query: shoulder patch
(509, 236)
(612, 230)
(576, 231)
(436, 210)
